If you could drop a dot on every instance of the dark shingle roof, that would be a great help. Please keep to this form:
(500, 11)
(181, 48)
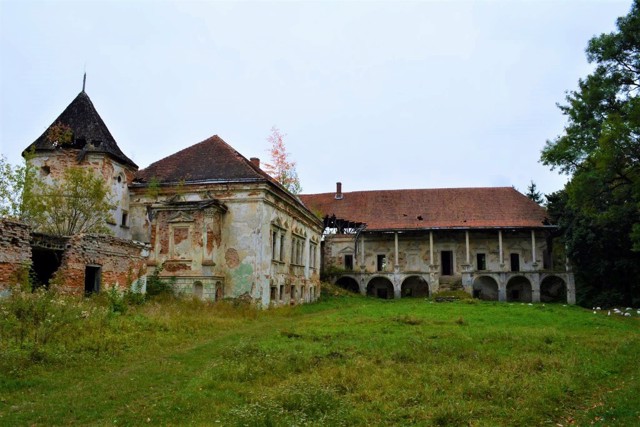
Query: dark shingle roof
(90, 134)
(209, 160)
(432, 208)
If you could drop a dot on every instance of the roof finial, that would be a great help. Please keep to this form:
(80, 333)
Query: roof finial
(84, 81)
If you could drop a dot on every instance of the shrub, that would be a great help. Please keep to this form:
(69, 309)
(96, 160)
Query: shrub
(157, 286)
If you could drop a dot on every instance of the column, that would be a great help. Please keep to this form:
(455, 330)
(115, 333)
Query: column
(466, 236)
(395, 259)
(500, 248)
(533, 248)
(431, 247)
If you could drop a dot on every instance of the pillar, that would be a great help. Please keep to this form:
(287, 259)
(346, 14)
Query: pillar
(466, 236)
(533, 248)
(431, 247)
(396, 262)
(500, 249)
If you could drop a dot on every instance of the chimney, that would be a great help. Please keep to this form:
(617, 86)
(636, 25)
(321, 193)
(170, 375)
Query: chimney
(339, 191)
(255, 161)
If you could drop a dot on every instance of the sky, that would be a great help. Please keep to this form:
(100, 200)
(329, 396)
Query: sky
(377, 95)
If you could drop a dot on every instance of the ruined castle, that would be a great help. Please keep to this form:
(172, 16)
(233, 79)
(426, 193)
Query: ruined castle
(215, 225)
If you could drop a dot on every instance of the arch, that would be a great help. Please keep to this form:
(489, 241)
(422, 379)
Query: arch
(219, 291)
(348, 283)
(380, 287)
(519, 289)
(198, 291)
(415, 286)
(553, 289)
(485, 288)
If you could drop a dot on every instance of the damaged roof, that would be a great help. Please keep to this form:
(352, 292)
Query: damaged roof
(495, 207)
(209, 160)
(89, 133)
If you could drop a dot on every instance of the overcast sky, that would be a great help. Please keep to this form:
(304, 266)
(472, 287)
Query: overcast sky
(378, 95)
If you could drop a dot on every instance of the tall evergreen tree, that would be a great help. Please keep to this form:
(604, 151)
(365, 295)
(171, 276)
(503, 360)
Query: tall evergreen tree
(599, 209)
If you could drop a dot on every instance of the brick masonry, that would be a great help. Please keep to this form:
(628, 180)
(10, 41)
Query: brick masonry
(122, 262)
(15, 252)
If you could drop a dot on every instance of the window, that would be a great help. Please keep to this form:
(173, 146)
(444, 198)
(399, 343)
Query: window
(273, 293)
(274, 245)
(446, 261)
(481, 260)
(297, 250)
(92, 275)
(125, 216)
(281, 292)
(515, 262)
(313, 252)
(382, 262)
(348, 262)
(282, 247)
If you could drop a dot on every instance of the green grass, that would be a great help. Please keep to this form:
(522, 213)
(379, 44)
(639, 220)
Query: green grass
(344, 361)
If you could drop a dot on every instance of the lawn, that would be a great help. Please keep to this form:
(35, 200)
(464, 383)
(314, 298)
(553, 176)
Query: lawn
(348, 360)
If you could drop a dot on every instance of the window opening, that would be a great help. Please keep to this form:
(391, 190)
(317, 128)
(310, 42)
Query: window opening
(382, 262)
(481, 260)
(515, 262)
(91, 279)
(348, 262)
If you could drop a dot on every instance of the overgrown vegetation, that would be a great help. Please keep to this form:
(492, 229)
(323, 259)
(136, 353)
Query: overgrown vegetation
(344, 361)
(77, 202)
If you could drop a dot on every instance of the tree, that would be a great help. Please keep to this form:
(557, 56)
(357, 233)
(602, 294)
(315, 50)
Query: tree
(79, 202)
(599, 208)
(281, 168)
(16, 186)
(534, 194)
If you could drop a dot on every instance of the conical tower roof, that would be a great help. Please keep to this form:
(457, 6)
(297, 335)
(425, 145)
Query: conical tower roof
(89, 133)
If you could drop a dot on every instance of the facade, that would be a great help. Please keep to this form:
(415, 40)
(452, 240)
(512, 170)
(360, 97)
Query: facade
(206, 219)
(493, 243)
(214, 224)
(219, 225)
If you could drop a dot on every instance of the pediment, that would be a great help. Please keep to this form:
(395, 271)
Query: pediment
(181, 217)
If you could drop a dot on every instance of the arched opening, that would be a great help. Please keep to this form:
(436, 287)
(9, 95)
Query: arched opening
(485, 288)
(348, 283)
(553, 289)
(197, 289)
(414, 286)
(519, 289)
(380, 287)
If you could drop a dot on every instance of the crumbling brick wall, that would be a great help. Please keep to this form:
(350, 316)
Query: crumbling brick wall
(122, 262)
(15, 252)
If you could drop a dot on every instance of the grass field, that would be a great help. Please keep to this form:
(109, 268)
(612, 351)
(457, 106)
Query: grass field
(347, 360)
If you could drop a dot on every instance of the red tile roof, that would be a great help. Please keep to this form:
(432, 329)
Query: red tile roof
(209, 160)
(432, 208)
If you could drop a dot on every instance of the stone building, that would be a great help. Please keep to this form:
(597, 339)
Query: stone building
(213, 223)
(220, 226)
(494, 243)
(205, 218)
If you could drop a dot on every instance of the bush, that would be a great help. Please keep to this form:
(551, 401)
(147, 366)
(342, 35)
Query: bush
(159, 287)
